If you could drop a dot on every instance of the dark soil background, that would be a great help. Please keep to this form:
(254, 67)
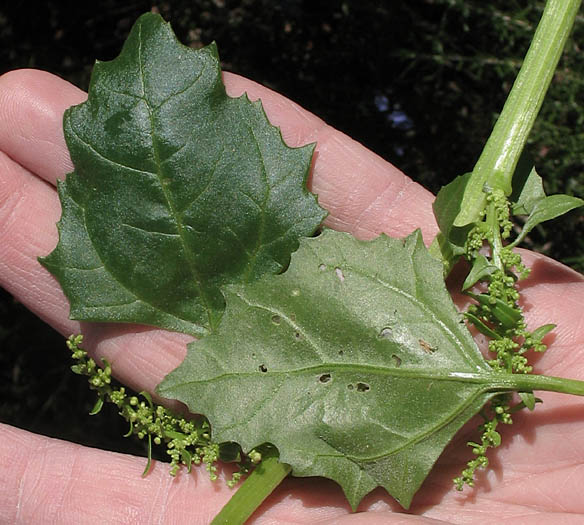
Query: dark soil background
(419, 82)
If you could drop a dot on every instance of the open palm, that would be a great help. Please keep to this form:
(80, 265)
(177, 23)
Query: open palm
(536, 476)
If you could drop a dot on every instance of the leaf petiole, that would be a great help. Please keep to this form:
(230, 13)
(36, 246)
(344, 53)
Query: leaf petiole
(526, 382)
(268, 474)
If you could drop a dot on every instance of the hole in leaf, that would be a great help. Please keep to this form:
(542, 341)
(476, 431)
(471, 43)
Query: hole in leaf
(324, 378)
(276, 319)
(341, 352)
(263, 368)
(386, 333)
(340, 274)
(396, 360)
(322, 267)
(351, 387)
(298, 336)
(363, 387)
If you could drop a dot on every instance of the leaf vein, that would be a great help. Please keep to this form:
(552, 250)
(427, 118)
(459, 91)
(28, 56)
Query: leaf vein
(149, 231)
(104, 157)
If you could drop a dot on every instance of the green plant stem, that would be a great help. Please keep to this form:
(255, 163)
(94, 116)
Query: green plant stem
(500, 155)
(253, 491)
(496, 241)
(527, 382)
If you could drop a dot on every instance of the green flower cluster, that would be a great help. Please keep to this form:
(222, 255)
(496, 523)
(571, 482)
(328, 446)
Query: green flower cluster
(490, 438)
(497, 314)
(187, 441)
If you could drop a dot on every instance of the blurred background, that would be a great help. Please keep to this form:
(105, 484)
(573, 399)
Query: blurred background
(420, 82)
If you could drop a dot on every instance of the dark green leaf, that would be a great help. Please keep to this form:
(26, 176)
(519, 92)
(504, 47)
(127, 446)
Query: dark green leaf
(177, 190)
(354, 363)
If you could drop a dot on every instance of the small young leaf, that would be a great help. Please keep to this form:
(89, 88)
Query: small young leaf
(481, 327)
(177, 189)
(528, 399)
(319, 362)
(504, 313)
(97, 407)
(527, 193)
(529, 198)
(149, 462)
(446, 208)
(448, 245)
(546, 209)
(187, 459)
(539, 333)
(480, 269)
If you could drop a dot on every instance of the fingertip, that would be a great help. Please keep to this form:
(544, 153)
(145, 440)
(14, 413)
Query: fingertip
(32, 103)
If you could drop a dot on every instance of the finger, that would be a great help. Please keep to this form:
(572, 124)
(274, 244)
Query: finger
(28, 211)
(364, 194)
(45, 480)
(33, 206)
(32, 104)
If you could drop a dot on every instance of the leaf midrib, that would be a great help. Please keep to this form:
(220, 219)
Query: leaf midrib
(180, 226)
(494, 380)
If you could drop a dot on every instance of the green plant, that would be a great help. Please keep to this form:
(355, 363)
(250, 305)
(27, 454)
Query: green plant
(183, 212)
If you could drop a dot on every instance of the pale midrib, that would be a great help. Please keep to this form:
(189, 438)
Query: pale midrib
(180, 226)
(494, 381)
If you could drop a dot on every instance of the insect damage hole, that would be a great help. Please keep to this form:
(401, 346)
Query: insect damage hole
(325, 378)
(322, 267)
(339, 273)
(263, 368)
(276, 319)
(360, 387)
(385, 333)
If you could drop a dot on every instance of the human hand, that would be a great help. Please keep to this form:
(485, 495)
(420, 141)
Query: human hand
(535, 475)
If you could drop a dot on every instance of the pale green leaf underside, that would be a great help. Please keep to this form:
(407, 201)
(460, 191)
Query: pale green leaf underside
(354, 363)
(177, 190)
